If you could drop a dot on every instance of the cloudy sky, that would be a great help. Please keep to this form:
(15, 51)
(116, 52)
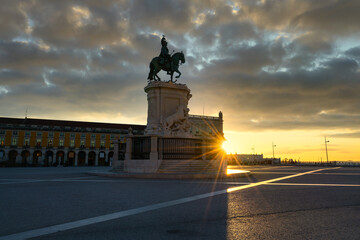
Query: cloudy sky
(282, 71)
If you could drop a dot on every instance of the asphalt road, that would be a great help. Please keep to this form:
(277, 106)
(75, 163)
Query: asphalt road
(273, 203)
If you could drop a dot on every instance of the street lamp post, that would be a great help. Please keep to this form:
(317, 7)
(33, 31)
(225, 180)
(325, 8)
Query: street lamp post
(273, 146)
(327, 157)
(253, 148)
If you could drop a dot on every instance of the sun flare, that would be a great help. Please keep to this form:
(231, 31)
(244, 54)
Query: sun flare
(227, 147)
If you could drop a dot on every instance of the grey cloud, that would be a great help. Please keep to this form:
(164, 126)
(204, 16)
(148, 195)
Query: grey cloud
(142, 44)
(353, 52)
(347, 135)
(312, 42)
(291, 99)
(247, 59)
(12, 21)
(276, 14)
(28, 55)
(163, 15)
(92, 92)
(342, 64)
(12, 77)
(335, 17)
(77, 24)
(116, 58)
(95, 58)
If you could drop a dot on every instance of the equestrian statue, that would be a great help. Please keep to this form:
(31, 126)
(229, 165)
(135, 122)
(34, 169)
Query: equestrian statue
(166, 62)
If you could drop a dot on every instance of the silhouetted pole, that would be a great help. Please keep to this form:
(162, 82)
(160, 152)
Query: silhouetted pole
(253, 148)
(273, 146)
(327, 157)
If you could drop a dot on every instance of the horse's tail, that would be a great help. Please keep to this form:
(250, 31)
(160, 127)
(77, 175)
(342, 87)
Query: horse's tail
(151, 74)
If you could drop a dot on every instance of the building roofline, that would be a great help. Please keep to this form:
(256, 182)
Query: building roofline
(68, 123)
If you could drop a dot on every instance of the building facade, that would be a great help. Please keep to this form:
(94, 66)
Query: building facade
(206, 126)
(41, 142)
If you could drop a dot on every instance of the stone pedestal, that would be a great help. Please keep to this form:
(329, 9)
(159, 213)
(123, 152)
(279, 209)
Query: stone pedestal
(167, 109)
(167, 138)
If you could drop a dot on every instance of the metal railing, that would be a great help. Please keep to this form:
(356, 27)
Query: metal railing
(180, 148)
(141, 147)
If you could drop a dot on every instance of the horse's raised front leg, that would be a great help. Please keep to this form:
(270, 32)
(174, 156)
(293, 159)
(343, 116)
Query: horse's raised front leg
(177, 70)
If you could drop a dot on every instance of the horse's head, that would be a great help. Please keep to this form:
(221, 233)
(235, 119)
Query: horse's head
(179, 56)
(182, 57)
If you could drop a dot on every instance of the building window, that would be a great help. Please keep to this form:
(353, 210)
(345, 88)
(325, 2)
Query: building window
(61, 142)
(2, 132)
(83, 135)
(38, 142)
(50, 142)
(112, 136)
(93, 136)
(72, 143)
(2, 139)
(51, 134)
(102, 136)
(62, 134)
(82, 142)
(38, 134)
(102, 143)
(26, 141)
(92, 143)
(72, 135)
(27, 133)
(15, 133)
(14, 141)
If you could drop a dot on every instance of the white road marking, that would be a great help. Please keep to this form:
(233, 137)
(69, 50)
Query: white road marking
(16, 181)
(278, 173)
(271, 180)
(121, 214)
(350, 174)
(316, 184)
(297, 184)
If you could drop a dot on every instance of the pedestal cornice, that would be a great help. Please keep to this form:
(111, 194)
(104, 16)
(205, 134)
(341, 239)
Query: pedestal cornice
(160, 84)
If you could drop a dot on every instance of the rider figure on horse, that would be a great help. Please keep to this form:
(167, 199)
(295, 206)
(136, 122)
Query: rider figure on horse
(165, 58)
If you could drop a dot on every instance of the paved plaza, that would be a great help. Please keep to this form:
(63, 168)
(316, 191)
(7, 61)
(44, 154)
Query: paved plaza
(274, 202)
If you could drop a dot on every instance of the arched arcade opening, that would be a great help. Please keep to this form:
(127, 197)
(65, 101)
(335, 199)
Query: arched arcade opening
(81, 158)
(12, 158)
(60, 156)
(37, 158)
(91, 158)
(25, 158)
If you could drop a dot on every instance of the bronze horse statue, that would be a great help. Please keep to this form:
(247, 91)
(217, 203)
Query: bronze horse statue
(170, 67)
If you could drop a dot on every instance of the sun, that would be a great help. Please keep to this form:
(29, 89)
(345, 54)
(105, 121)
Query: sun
(227, 147)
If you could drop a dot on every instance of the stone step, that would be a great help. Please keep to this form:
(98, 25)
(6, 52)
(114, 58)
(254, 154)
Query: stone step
(119, 168)
(194, 166)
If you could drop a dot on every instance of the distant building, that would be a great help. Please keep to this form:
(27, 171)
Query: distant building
(206, 125)
(42, 142)
(250, 159)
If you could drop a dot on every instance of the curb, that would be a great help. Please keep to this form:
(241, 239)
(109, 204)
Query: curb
(167, 175)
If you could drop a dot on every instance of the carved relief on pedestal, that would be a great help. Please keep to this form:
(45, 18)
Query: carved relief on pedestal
(167, 109)
(177, 124)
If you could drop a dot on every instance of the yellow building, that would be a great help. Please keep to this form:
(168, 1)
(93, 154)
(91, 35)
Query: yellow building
(41, 142)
